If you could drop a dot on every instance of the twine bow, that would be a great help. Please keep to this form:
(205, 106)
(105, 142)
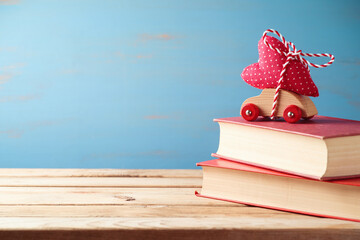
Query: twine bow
(295, 55)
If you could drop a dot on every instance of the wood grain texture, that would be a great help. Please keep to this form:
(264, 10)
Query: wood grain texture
(232, 210)
(116, 182)
(26, 172)
(101, 196)
(136, 204)
(190, 223)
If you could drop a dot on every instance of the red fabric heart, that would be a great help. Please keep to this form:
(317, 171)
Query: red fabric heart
(266, 72)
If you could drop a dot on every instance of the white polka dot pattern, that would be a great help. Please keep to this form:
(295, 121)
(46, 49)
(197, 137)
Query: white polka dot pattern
(266, 72)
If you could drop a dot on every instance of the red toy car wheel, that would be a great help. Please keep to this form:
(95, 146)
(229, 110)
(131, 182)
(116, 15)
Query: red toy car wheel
(250, 112)
(292, 114)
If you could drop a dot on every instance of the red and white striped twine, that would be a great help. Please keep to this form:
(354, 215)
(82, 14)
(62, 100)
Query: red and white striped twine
(292, 55)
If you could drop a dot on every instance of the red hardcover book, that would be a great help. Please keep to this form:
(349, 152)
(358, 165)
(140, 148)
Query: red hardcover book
(246, 184)
(322, 148)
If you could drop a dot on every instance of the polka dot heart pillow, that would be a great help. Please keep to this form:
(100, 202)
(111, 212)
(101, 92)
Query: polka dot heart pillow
(266, 72)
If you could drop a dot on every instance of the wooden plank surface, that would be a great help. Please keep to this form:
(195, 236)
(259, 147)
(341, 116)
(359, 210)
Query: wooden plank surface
(28, 172)
(190, 223)
(101, 196)
(143, 182)
(140, 204)
(231, 210)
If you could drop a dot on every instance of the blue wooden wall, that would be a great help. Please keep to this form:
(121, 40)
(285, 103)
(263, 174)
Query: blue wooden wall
(136, 84)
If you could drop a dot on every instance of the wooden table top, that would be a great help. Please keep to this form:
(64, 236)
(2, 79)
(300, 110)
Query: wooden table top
(140, 204)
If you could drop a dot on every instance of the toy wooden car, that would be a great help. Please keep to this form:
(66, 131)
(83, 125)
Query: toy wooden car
(291, 106)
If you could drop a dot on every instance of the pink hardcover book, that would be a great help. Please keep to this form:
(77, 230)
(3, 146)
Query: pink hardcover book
(251, 185)
(321, 148)
(319, 127)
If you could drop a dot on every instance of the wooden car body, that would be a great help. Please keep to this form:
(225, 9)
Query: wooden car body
(286, 98)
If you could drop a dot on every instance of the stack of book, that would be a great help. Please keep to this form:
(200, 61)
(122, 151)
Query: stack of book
(312, 167)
